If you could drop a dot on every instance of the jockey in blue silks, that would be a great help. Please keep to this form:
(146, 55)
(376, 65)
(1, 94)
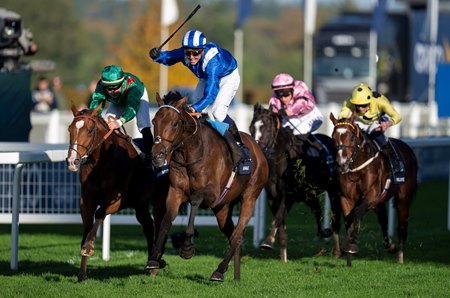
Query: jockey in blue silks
(218, 83)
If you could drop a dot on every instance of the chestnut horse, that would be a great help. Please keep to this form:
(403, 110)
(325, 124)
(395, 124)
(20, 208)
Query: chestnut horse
(366, 183)
(201, 174)
(295, 175)
(112, 177)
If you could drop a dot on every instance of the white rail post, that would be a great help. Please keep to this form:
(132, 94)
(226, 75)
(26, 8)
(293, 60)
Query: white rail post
(106, 237)
(15, 217)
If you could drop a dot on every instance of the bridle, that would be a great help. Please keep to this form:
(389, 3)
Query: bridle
(355, 149)
(178, 141)
(92, 146)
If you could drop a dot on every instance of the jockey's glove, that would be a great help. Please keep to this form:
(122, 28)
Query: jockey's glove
(154, 53)
(115, 124)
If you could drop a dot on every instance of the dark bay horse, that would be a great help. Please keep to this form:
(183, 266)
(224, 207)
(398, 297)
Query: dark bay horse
(294, 176)
(365, 184)
(201, 174)
(112, 177)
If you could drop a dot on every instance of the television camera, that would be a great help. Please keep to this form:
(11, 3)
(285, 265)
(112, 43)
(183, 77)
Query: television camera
(15, 41)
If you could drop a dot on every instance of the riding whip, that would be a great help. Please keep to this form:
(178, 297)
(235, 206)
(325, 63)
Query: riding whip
(187, 19)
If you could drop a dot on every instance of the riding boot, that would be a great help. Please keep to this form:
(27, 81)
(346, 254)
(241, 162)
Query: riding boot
(395, 162)
(239, 152)
(148, 141)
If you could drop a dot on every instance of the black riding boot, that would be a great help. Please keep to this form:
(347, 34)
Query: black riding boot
(239, 152)
(148, 141)
(397, 166)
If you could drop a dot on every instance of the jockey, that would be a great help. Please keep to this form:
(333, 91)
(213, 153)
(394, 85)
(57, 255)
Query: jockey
(294, 101)
(219, 80)
(128, 99)
(375, 114)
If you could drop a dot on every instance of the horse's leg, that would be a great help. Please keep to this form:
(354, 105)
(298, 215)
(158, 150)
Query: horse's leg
(314, 204)
(237, 237)
(403, 205)
(335, 222)
(146, 221)
(187, 249)
(88, 246)
(353, 222)
(173, 203)
(274, 205)
(382, 217)
(226, 226)
(277, 222)
(282, 235)
(87, 215)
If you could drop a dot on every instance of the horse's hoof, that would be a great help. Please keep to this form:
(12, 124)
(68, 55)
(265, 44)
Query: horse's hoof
(349, 260)
(187, 252)
(391, 248)
(216, 276)
(152, 264)
(352, 248)
(265, 246)
(82, 276)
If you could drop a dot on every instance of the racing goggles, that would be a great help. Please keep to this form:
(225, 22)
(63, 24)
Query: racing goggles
(193, 53)
(283, 93)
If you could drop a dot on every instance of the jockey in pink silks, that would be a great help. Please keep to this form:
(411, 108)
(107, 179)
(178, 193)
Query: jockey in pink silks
(300, 111)
(293, 100)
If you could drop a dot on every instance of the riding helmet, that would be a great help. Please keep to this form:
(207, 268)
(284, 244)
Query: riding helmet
(282, 81)
(361, 95)
(194, 39)
(112, 75)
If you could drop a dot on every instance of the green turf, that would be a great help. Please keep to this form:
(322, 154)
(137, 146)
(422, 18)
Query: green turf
(49, 261)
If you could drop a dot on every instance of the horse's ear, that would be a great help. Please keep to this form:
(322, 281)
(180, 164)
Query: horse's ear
(159, 100)
(332, 118)
(182, 102)
(256, 107)
(96, 111)
(73, 108)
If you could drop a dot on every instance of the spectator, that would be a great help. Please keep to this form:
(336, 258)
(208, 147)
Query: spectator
(57, 91)
(43, 97)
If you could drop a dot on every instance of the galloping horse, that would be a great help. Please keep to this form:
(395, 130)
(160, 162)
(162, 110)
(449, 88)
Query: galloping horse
(295, 176)
(201, 174)
(112, 177)
(365, 183)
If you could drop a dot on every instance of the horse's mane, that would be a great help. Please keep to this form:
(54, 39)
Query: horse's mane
(172, 97)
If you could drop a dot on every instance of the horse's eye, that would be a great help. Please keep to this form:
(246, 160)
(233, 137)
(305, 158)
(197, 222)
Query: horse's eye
(175, 124)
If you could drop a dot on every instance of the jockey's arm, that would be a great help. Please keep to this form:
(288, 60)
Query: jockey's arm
(346, 111)
(212, 85)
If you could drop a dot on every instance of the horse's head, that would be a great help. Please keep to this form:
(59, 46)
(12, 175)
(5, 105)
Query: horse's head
(264, 127)
(86, 132)
(170, 126)
(346, 136)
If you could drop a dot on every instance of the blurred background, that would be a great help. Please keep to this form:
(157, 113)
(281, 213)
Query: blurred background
(330, 44)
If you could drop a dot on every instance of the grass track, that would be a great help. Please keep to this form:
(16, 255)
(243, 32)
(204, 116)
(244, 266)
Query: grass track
(49, 261)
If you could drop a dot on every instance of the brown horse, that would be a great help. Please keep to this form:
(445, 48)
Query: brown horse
(201, 174)
(297, 174)
(112, 177)
(366, 183)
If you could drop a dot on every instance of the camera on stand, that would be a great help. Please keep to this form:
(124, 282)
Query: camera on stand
(16, 42)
